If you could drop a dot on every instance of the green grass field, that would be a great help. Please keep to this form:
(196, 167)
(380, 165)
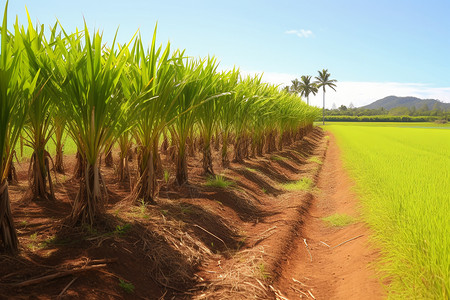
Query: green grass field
(70, 148)
(402, 174)
(388, 124)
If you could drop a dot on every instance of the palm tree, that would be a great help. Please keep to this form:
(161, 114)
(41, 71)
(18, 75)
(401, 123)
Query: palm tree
(307, 87)
(322, 81)
(295, 87)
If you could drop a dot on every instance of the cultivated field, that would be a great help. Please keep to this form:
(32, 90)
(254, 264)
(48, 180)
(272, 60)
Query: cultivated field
(402, 176)
(139, 172)
(144, 173)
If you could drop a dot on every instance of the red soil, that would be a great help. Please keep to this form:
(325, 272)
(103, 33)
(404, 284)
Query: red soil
(200, 242)
(345, 272)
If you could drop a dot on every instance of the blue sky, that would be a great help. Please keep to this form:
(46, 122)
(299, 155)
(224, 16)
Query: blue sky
(373, 48)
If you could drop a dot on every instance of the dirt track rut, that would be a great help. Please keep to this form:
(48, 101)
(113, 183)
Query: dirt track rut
(321, 271)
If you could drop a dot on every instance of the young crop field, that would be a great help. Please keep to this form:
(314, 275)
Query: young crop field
(403, 178)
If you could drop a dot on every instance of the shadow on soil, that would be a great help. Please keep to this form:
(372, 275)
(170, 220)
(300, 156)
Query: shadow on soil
(240, 202)
(258, 180)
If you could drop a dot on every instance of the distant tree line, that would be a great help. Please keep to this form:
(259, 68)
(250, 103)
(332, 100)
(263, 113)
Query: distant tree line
(384, 118)
(424, 110)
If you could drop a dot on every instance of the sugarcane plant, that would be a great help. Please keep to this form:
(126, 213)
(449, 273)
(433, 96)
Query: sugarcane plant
(261, 122)
(208, 113)
(15, 91)
(227, 113)
(199, 89)
(152, 84)
(124, 139)
(182, 128)
(246, 100)
(93, 109)
(40, 57)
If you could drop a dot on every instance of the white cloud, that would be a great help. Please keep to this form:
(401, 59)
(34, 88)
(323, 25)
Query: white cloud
(302, 33)
(362, 93)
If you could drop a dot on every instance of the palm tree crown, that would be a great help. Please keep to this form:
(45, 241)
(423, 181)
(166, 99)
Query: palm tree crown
(295, 87)
(323, 81)
(307, 87)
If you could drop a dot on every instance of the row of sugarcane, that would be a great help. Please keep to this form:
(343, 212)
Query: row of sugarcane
(126, 94)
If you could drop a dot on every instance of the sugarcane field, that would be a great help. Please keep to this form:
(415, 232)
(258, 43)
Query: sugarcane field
(134, 168)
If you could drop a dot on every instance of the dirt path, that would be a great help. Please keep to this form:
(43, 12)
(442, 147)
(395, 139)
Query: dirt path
(344, 272)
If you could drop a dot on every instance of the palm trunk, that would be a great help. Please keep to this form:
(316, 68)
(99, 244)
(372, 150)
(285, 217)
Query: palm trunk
(8, 235)
(323, 110)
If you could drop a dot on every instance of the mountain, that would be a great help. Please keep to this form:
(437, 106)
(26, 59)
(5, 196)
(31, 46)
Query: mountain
(394, 101)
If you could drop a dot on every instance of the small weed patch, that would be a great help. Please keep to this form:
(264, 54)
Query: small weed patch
(219, 181)
(339, 220)
(166, 176)
(33, 237)
(186, 209)
(122, 229)
(315, 159)
(263, 274)
(128, 287)
(304, 184)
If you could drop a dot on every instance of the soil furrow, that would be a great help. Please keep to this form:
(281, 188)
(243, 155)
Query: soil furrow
(316, 265)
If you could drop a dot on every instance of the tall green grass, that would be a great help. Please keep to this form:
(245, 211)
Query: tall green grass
(403, 178)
